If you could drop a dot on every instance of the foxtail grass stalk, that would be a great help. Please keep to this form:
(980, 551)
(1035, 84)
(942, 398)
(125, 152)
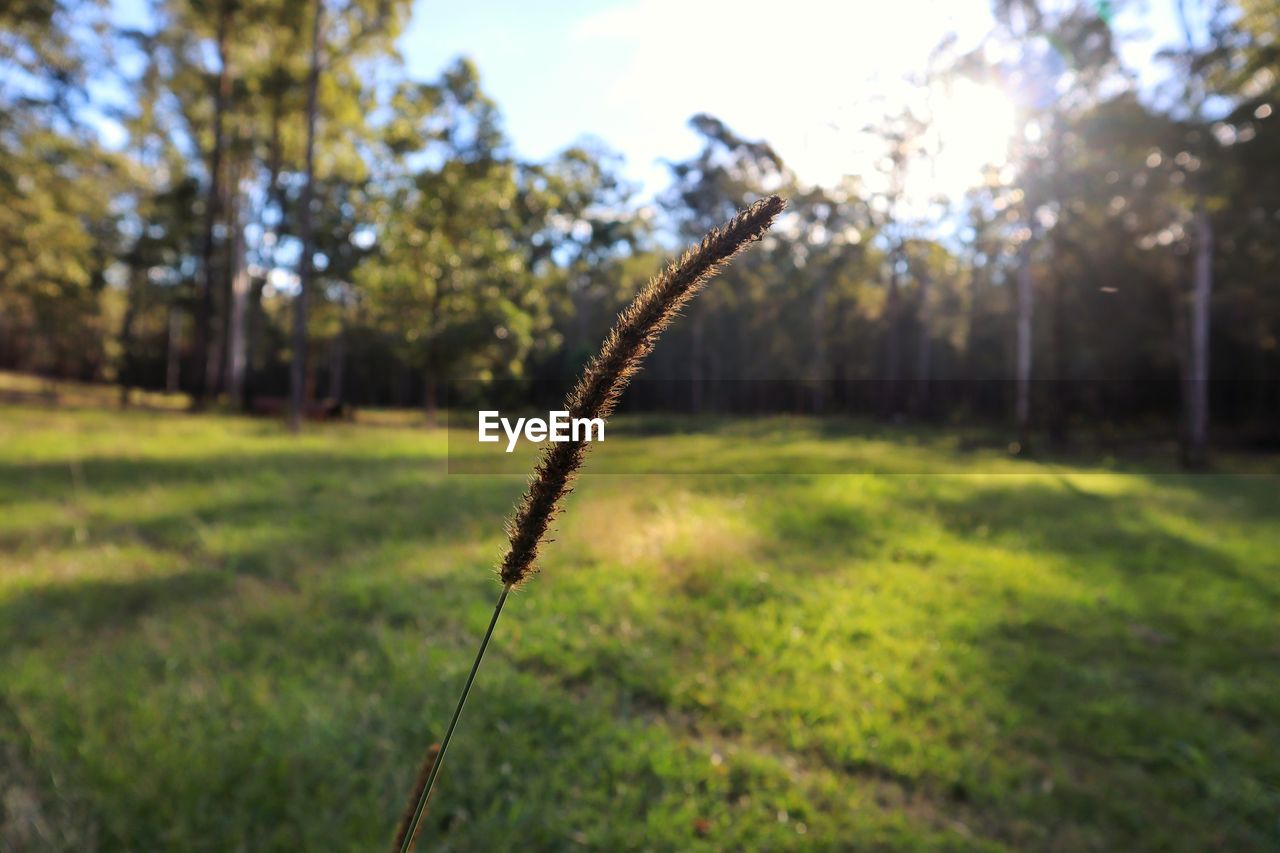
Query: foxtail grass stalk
(632, 338)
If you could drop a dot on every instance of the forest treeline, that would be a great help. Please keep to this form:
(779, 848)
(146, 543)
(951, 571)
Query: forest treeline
(286, 212)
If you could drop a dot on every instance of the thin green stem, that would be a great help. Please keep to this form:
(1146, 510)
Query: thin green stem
(412, 829)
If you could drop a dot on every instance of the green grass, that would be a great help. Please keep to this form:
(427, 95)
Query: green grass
(214, 636)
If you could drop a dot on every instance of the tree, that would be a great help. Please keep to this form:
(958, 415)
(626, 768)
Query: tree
(58, 186)
(577, 221)
(903, 137)
(224, 21)
(826, 245)
(297, 375)
(1064, 54)
(360, 24)
(448, 282)
(726, 175)
(1196, 93)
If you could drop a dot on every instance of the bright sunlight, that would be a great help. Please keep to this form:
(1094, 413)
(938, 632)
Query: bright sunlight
(973, 125)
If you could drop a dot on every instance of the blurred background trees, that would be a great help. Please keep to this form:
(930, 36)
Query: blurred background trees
(1116, 271)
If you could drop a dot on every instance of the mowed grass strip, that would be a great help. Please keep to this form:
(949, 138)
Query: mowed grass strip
(216, 636)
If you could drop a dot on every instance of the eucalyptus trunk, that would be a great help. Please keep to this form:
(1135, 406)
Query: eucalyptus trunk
(338, 364)
(430, 412)
(237, 335)
(213, 202)
(893, 337)
(697, 367)
(298, 373)
(124, 370)
(1023, 354)
(821, 367)
(1198, 386)
(924, 348)
(256, 320)
(173, 351)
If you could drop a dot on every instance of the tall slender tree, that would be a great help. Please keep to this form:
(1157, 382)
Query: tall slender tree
(224, 13)
(298, 370)
(1196, 382)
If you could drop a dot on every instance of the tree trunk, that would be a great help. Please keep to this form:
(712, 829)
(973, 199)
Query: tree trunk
(893, 338)
(124, 373)
(973, 382)
(220, 354)
(1202, 290)
(924, 346)
(214, 352)
(298, 373)
(173, 361)
(256, 322)
(237, 338)
(404, 384)
(1181, 345)
(233, 301)
(337, 363)
(204, 309)
(1023, 367)
(309, 389)
(697, 372)
(1059, 398)
(429, 409)
(1196, 450)
(821, 368)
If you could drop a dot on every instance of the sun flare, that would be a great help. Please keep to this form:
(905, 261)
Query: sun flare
(972, 126)
(968, 126)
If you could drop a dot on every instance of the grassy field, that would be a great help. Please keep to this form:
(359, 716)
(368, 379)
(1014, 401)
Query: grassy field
(214, 636)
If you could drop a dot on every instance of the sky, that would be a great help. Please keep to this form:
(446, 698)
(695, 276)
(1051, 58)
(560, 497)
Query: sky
(805, 75)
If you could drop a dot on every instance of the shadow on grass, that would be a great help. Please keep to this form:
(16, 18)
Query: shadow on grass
(299, 727)
(110, 476)
(1120, 536)
(1145, 702)
(49, 615)
(268, 519)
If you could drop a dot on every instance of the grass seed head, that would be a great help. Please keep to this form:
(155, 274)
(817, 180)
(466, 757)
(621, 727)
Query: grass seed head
(632, 338)
(406, 821)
